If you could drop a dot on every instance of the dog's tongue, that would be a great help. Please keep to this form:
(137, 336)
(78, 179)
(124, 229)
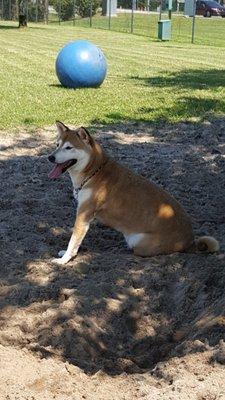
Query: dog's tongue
(56, 171)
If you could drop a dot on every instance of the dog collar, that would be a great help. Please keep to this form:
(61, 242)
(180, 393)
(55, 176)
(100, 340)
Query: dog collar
(91, 176)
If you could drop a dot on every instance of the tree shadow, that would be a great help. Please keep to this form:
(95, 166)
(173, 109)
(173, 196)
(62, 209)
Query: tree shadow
(188, 101)
(205, 79)
(191, 106)
(108, 309)
(8, 27)
(188, 109)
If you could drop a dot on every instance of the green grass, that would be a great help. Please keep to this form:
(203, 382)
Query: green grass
(147, 80)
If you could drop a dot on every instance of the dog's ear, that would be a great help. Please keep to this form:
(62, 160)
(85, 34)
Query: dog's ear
(61, 127)
(85, 136)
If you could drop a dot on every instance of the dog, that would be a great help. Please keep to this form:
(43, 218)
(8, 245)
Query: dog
(151, 220)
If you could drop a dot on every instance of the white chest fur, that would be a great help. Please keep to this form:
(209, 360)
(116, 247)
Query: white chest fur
(133, 239)
(83, 196)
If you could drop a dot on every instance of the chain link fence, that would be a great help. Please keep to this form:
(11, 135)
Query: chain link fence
(35, 10)
(138, 17)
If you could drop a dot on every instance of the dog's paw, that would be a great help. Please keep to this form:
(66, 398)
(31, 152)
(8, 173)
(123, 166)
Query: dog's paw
(61, 253)
(62, 260)
(58, 261)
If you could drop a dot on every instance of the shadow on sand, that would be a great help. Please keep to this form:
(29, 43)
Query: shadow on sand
(108, 309)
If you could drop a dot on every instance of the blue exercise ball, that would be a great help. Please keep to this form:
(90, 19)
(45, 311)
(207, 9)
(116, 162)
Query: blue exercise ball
(81, 64)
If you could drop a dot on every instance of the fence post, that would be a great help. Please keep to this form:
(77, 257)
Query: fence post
(160, 10)
(90, 13)
(74, 11)
(10, 10)
(27, 10)
(193, 22)
(59, 13)
(132, 17)
(110, 11)
(36, 12)
(46, 12)
(2, 9)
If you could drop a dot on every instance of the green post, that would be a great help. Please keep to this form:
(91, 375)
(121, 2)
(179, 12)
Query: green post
(164, 29)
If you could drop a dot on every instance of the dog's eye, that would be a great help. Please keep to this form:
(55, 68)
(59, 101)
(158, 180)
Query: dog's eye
(57, 144)
(68, 148)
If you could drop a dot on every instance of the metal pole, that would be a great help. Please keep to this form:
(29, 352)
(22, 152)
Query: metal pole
(36, 12)
(160, 11)
(2, 9)
(74, 12)
(90, 13)
(46, 12)
(193, 22)
(27, 10)
(132, 18)
(59, 13)
(110, 5)
(17, 10)
(10, 9)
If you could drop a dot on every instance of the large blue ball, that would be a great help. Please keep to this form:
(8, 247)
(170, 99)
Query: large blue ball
(81, 64)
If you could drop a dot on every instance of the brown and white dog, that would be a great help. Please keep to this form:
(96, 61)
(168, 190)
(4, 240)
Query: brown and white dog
(151, 220)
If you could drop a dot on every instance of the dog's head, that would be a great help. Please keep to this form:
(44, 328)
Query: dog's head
(73, 150)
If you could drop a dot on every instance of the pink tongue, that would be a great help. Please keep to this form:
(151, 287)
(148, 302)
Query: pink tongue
(56, 171)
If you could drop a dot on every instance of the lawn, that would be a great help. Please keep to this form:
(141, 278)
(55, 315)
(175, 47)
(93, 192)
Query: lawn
(147, 80)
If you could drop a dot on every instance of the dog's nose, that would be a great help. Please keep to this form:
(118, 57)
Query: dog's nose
(51, 158)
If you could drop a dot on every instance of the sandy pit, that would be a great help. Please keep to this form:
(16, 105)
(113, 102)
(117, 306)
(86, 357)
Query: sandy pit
(110, 325)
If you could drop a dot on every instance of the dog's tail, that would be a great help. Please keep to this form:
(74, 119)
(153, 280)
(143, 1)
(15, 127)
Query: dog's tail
(207, 244)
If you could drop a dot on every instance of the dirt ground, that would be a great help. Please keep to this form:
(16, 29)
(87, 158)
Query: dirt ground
(108, 325)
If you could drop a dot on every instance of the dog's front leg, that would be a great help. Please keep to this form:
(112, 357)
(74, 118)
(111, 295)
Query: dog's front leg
(80, 229)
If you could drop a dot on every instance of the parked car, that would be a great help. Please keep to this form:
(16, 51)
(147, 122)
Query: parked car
(209, 8)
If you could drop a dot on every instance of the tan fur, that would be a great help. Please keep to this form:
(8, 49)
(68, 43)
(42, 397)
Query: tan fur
(128, 203)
